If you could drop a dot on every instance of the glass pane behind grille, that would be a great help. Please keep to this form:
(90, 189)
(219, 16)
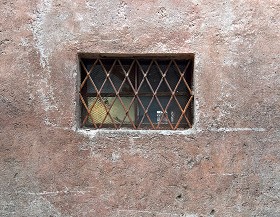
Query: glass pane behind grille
(117, 111)
(136, 93)
(173, 77)
(154, 108)
(155, 112)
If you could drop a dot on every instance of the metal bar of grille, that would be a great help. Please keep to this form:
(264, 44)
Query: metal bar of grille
(182, 74)
(136, 93)
(96, 89)
(183, 114)
(139, 94)
(88, 73)
(84, 103)
(107, 110)
(117, 93)
(163, 79)
(164, 110)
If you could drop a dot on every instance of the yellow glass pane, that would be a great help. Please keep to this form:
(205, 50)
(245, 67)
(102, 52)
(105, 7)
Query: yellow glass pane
(117, 111)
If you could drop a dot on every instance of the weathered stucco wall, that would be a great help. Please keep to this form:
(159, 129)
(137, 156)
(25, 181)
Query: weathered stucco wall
(227, 165)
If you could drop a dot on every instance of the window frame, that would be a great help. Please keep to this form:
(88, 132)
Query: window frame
(144, 126)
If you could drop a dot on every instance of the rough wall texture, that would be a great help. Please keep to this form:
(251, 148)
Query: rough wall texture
(227, 165)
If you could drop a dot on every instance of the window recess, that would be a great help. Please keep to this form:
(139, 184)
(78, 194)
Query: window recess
(136, 92)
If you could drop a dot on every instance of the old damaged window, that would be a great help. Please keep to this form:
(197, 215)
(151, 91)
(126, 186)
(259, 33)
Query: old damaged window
(136, 92)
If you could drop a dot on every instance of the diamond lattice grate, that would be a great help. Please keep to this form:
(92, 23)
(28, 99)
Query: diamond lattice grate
(137, 93)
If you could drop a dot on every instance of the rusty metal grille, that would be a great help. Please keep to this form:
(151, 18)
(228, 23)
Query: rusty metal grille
(136, 92)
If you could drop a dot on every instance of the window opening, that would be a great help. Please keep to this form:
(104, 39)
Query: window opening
(136, 92)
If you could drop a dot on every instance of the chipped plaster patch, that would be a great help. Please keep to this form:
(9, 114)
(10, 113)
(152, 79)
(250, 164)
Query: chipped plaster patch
(237, 129)
(115, 156)
(46, 100)
(45, 90)
(37, 28)
(228, 17)
(40, 206)
(135, 212)
(24, 42)
(92, 133)
(122, 7)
